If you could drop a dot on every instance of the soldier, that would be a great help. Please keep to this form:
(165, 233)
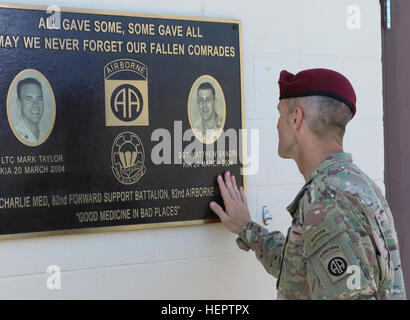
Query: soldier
(208, 127)
(342, 243)
(31, 104)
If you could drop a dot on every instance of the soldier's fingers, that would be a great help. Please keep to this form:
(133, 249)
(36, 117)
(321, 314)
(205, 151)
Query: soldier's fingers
(229, 186)
(217, 209)
(224, 191)
(235, 188)
(243, 196)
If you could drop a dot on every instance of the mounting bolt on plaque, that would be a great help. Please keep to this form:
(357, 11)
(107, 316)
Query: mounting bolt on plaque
(267, 218)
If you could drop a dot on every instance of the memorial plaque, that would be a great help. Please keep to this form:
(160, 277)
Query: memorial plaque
(115, 119)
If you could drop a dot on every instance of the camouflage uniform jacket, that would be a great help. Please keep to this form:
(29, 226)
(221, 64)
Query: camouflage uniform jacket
(342, 242)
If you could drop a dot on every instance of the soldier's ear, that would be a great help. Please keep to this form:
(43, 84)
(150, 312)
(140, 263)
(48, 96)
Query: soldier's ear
(19, 105)
(297, 118)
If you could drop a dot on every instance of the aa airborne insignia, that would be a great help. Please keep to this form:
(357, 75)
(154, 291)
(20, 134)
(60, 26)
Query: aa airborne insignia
(334, 261)
(126, 93)
(127, 158)
(337, 266)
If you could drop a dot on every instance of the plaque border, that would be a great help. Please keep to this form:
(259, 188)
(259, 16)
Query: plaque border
(146, 225)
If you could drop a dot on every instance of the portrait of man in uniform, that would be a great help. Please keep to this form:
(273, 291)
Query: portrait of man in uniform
(31, 108)
(206, 109)
(31, 103)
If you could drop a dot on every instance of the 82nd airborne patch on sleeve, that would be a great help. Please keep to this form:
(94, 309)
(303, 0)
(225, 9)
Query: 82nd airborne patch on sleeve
(334, 262)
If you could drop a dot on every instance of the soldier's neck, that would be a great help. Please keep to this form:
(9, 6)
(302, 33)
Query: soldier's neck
(211, 123)
(309, 156)
(33, 128)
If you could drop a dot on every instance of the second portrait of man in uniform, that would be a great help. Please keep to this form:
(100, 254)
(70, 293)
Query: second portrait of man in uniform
(206, 109)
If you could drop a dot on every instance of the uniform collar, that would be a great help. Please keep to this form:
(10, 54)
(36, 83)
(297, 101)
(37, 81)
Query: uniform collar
(333, 159)
(202, 126)
(24, 131)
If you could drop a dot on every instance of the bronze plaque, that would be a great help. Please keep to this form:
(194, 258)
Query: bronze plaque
(115, 119)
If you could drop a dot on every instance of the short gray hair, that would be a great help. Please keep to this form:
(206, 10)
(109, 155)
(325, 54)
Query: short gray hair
(324, 115)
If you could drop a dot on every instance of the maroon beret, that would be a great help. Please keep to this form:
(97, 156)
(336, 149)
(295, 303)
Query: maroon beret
(317, 82)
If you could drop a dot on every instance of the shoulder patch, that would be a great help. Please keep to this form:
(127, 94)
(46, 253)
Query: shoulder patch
(330, 265)
(317, 236)
(334, 262)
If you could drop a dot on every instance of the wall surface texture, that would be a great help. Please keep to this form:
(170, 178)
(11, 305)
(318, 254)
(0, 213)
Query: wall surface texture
(203, 262)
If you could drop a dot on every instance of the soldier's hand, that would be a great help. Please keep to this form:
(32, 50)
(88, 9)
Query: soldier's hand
(236, 213)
